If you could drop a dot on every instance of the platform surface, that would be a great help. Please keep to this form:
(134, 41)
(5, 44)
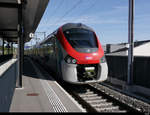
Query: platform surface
(40, 94)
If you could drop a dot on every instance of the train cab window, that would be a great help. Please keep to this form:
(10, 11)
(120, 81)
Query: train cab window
(81, 38)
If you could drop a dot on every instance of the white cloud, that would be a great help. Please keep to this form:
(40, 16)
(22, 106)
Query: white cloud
(121, 7)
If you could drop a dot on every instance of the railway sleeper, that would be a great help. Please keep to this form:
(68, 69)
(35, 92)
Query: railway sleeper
(103, 105)
(97, 101)
(120, 111)
(115, 111)
(108, 109)
(92, 98)
(88, 95)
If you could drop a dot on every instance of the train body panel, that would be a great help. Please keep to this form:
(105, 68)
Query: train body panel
(82, 58)
(74, 53)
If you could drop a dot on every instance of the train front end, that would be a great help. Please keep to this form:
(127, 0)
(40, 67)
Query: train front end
(83, 57)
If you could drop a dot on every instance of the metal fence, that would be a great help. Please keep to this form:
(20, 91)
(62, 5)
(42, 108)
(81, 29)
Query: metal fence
(118, 65)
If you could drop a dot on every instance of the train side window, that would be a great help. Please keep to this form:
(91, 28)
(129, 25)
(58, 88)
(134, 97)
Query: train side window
(56, 45)
(43, 48)
(49, 47)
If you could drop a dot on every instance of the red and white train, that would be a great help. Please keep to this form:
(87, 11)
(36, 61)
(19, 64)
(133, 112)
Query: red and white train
(73, 52)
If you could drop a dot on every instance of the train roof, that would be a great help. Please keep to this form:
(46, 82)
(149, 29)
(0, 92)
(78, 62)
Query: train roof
(75, 25)
(66, 27)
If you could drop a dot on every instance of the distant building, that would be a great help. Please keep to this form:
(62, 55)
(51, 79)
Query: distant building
(141, 48)
(27, 47)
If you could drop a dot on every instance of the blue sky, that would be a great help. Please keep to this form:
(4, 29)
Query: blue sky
(109, 18)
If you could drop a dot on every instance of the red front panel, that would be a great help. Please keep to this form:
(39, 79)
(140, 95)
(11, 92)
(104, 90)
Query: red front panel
(82, 58)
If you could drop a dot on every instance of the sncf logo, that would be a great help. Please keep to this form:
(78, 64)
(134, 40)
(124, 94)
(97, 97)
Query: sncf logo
(88, 58)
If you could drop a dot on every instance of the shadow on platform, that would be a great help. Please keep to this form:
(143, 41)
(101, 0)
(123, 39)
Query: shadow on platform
(8, 83)
(29, 71)
(7, 88)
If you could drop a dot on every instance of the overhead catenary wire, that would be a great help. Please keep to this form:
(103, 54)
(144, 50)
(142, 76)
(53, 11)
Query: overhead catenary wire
(80, 8)
(58, 7)
(86, 9)
(68, 11)
(77, 4)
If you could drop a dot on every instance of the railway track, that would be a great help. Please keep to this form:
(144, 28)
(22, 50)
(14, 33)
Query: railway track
(94, 100)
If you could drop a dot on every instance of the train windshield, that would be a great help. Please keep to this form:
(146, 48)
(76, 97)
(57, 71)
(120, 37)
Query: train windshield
(81, 38)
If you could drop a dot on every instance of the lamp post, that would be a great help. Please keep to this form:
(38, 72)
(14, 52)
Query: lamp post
(131, 42)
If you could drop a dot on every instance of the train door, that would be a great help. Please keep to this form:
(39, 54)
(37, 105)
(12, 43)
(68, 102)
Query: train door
(53, 54)
(59, 58)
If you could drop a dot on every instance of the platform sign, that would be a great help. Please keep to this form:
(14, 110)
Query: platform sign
(31, 35)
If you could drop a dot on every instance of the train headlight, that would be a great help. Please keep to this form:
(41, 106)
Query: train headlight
(103, 59)
(74, 61)
(70, 60)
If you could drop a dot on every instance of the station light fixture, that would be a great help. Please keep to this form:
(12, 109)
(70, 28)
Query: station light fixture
(19, 1)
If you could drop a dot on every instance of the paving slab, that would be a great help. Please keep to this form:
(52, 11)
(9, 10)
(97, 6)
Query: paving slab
(40, 94)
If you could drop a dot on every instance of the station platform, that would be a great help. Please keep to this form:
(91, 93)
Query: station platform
(41, 94)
